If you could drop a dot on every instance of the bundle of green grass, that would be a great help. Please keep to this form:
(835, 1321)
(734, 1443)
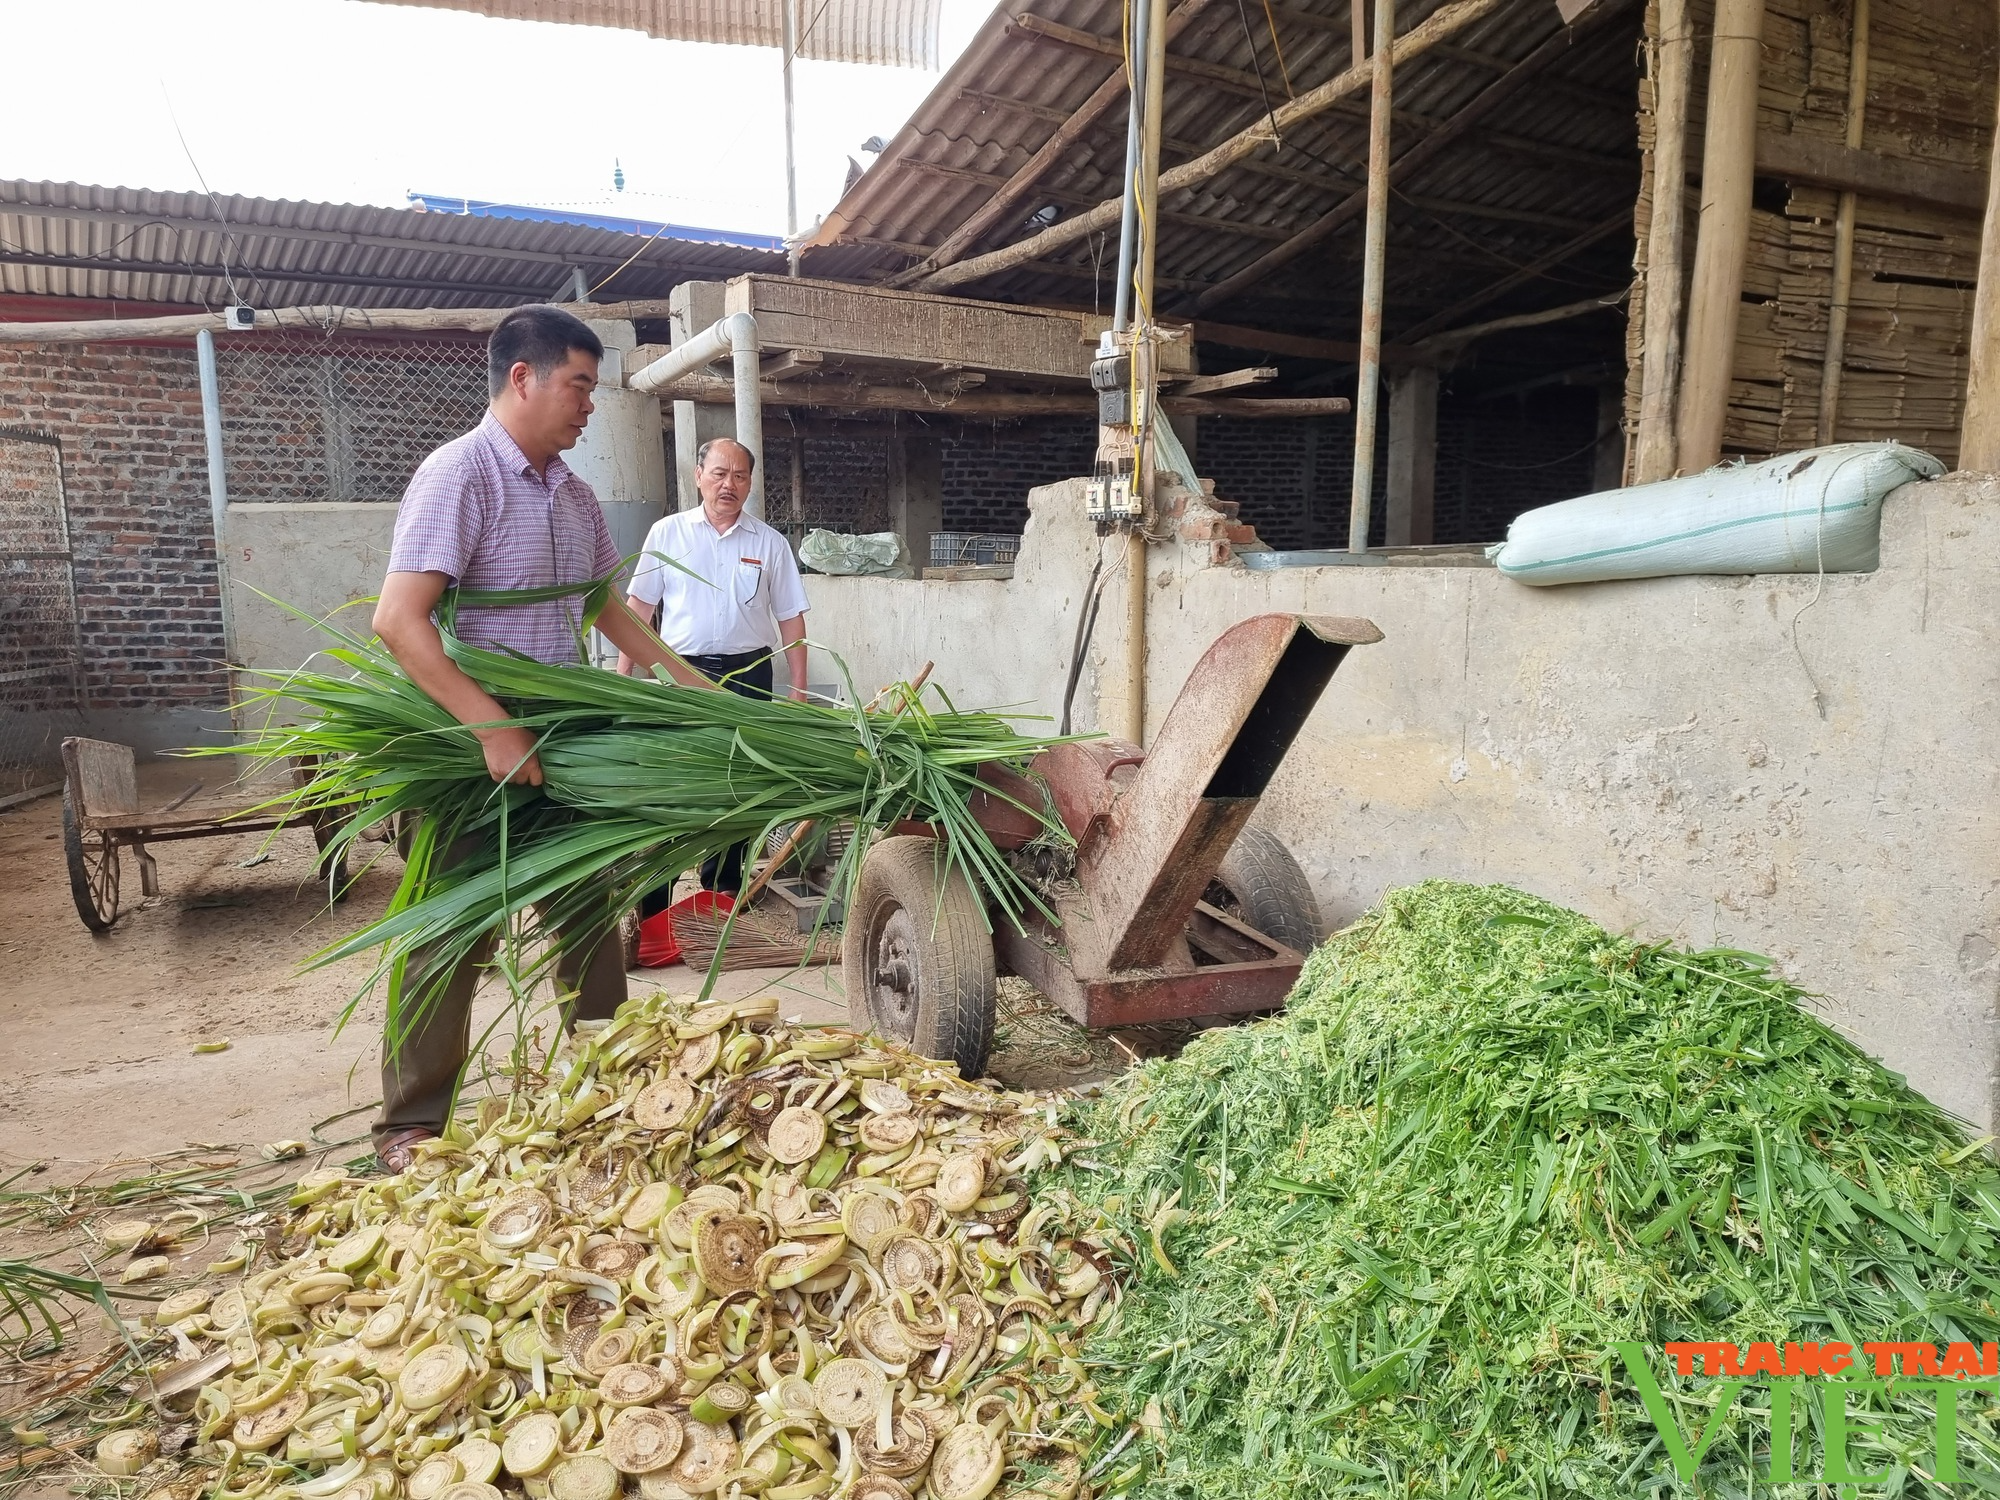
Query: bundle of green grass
(1385, 1243)
(643, 780)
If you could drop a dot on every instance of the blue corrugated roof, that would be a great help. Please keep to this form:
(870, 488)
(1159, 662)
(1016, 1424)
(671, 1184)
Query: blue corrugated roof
(480, 208)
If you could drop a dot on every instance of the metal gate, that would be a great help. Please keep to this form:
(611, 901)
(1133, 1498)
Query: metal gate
(41, 667)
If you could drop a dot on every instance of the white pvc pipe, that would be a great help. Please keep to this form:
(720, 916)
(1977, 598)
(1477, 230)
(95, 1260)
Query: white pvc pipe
(218, 483)
(736, 336)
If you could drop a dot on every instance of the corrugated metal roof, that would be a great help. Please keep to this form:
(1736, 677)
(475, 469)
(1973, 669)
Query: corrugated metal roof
(896, 33)
(1558, 157)
(66, 239)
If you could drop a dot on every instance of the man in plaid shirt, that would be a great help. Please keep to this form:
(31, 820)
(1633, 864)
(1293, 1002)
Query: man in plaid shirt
(499, 509)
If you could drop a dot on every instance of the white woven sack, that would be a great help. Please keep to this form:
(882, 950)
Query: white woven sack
(1797, 513)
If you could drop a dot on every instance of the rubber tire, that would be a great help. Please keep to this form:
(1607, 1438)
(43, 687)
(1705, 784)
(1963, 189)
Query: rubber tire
(94, 917)
(914, 914)
(1272, 893)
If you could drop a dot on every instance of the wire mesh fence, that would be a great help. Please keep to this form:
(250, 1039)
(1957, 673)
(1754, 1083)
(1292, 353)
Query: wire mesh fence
(344, 418)
(40, 656)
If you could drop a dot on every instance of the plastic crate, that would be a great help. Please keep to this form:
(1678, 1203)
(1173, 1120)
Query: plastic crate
(961, 549)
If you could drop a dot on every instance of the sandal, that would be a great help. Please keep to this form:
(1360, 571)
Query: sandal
(395, 1149)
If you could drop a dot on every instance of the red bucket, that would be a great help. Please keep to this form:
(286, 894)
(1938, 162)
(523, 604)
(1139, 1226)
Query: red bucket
(658, 946)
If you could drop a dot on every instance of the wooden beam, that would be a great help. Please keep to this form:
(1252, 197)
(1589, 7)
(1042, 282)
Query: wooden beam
(1837, 308)
(318, 320)
(1413, 413)
(1530, 272)
(791, 364)
(711, 390)
(989, 214)
(1561, 44)
(1979, 437)
(1500, 215)
(1205, 385)
(1234, 80)
(217, 271)
(1062, 196)
(1447, 21)
(1300, 346)
(1829, 163)
(1728, 166)
(1453, 338)
(1018, 106)
(1660, 357)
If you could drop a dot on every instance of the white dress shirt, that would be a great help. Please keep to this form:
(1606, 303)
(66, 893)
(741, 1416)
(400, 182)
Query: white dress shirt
(746, 581)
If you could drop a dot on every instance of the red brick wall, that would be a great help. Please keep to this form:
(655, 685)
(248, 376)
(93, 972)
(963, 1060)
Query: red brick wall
(136, 474)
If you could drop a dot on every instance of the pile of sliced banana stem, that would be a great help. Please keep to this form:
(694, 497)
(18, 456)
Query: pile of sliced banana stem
(709, 1254)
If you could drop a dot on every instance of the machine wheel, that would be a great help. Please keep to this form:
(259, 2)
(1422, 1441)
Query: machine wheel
(1263, 885)
(917, 956)
(93, 869)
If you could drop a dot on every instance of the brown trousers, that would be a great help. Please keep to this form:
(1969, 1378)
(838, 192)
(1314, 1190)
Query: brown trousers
(420, 1077)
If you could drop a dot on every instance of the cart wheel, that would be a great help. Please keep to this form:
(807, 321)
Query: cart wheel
(332, 860)
(916, 956)
(93, 869)
(1263, 885)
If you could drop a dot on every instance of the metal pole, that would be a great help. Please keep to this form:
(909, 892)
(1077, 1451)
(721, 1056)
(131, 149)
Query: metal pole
(218, 484)
(1128, 212)
(1368, 389)
(791, 162)
(1145, 362)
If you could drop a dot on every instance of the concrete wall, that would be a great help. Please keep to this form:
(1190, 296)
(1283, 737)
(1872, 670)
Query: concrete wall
(1650, 753)
(322, 555)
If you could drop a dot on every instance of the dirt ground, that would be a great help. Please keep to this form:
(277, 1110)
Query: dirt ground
(101, 1029)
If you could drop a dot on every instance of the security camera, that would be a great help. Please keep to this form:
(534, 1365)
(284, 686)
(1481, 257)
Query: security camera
(239, 319)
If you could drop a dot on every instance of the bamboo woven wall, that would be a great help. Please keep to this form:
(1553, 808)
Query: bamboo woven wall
(1931, 80)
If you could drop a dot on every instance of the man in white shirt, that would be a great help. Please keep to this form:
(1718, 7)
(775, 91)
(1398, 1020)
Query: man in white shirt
(743, 601)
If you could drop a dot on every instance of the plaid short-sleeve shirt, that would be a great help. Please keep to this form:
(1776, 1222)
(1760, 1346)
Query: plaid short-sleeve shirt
(476, 511)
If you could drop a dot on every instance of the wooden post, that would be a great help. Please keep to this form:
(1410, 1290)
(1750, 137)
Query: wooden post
(1728, 163)
(1659, 368)
(1357, 15)
(1843, 232)
(1413, 411)
(1374, 254)
(1979, 438)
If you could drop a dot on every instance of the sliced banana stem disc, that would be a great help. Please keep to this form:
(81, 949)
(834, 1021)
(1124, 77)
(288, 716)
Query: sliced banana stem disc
(434, 1476)
(605, 1352)
(259, 1430)
(707, 1453)
(719, 1402)
(584, 1477)
(796, 1135)
(127, 1452)
(479, 1457)
(726, 1247)
(847, 1391)
(631, 1385)
(960, 1182)
(664, 1105)
(531, 1444)
(642, 1440)
(517, 1220)
(434, 1377)
(967, 1463)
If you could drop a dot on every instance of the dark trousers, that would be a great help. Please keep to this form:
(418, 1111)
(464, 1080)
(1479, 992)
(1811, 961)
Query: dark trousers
(420, 1077)
(751, 679)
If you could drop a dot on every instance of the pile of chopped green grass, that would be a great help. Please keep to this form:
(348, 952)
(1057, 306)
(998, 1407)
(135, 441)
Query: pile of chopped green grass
(1384, 1244)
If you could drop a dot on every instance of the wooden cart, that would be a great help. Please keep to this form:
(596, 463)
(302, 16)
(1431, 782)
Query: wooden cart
(101, 816)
